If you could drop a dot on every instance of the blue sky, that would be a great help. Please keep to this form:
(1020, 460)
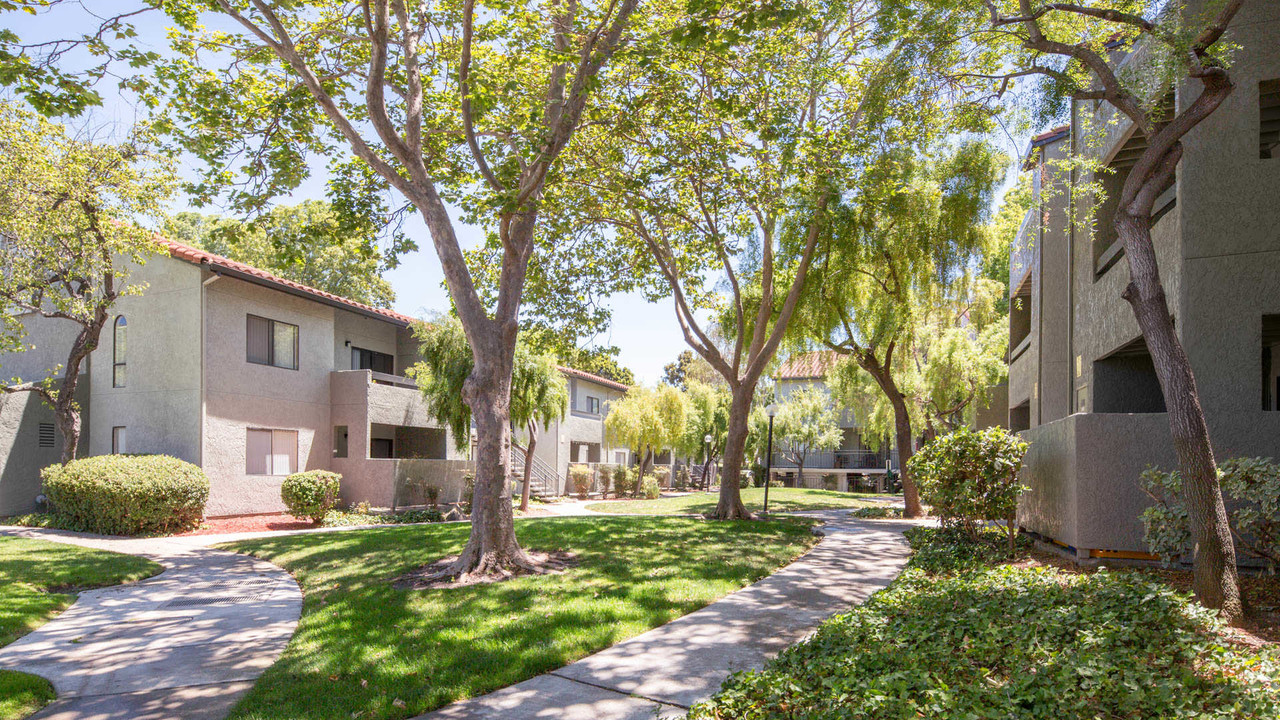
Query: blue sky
(646, 334)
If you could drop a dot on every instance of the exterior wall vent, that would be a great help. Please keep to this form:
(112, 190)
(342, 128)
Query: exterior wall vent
(46, 431)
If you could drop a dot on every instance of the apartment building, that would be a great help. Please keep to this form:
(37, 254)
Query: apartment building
(1082, 387)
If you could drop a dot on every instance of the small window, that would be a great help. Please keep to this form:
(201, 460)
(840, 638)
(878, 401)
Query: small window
(271, 342)
(1271, 362)
(118, 441)
(340, 441)
(1269, 119)
(118, 352)
(47, 434)
(271, 452)
(593, 405)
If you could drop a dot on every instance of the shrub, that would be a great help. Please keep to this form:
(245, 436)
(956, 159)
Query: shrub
(604, 476)
(970, 477)
(580, 476)
(128, 494)
(663, 475)
(744, 480)
(1249, 485)
(433, 494)
(683, 478)
(877, 512)
(311, 494)
(468, 491)
(830, 482)
(624, 480)
(650, 487)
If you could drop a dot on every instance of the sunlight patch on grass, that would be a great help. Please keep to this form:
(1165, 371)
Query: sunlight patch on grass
(780, 500)
(362, 645)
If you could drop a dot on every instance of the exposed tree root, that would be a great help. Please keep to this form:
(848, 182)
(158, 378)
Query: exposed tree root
(448, 572)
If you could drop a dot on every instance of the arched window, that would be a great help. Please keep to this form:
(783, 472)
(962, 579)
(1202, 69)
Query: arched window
(118, 351)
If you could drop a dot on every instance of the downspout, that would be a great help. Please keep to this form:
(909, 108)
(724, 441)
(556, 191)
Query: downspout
(204, 331)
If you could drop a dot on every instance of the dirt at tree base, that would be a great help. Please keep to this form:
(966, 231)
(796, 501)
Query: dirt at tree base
(543, 563)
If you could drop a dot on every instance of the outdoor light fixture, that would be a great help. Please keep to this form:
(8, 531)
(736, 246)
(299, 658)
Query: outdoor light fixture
(706, 469)
(771, 409)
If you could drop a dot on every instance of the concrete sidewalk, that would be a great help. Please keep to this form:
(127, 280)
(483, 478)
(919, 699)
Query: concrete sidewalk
(664, 671)
(187, 643)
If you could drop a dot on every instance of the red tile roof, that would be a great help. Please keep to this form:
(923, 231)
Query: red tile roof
(1043, 138)
(808, 365)
(262, 277)
(599, 380)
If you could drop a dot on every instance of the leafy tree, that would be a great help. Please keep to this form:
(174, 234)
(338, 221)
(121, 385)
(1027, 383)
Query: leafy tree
(69, 240)
(539, 393)
(1066, 47)
(895, 255)
(309, 243)
(602, 361)
(647, 421)
(689, 368)
(708, 415)
(433, 103)
(723, 161)
(807, 422)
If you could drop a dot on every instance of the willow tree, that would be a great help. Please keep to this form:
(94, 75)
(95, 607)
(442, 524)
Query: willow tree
(807, 422)
(898, 246)
(717, 171)
(648, 421)
(467, 101)
(1068, 46)
(69, 241)
(539, 393)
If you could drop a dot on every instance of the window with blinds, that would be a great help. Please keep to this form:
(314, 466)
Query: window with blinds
(271, 452)
(1269, 119)
(271, 342)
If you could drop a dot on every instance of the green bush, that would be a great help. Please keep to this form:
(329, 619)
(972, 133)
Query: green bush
(1251, 487)
(433, 494)
(877, 512)
(991, 643)
(624, 481)
(128, 494)
(663, 475)
(683, 479)
(580, 476)
(831, 482)
(971, 477)
(604, 476)
(311, 494)
(650, 487)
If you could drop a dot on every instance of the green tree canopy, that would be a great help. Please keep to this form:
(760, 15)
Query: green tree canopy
(807, 422)
(647, 420)
(309, 243)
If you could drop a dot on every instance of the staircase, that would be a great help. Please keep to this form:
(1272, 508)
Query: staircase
(544, 479)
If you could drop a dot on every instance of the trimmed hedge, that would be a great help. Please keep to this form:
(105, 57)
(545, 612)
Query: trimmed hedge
(128, 494)
(311, 494)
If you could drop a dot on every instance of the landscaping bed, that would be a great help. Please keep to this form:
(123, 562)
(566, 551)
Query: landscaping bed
(38, 580)
(966, 633)
(781, 499)
(365, 649)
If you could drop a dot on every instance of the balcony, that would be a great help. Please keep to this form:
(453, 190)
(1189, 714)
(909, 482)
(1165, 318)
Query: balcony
(847, 460)
(1022, 255)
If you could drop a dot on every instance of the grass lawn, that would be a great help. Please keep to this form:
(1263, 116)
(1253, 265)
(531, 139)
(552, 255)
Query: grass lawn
(780, 500)
(38, 580)
(965, 633)
(365, 649)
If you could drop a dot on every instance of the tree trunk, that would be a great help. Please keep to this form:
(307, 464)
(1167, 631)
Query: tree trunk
(65, 410)
(1214, 574)
(800, 472)
(526, 491)
(905, 442)
(492, 547)
(730, 505)
(706, 474)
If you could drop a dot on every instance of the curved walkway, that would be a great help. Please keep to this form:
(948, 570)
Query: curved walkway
(662, 672)
(186, 643)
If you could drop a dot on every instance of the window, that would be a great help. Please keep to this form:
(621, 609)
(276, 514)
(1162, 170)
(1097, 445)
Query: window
(118, 442)
(340, 441)
(1271, 362)
(271, 342)
(118, 351)
(46, 435)
(593, 405)
(362, 359)
(1269, 119)
(1125, 381)
(382, 448)
(271, 452)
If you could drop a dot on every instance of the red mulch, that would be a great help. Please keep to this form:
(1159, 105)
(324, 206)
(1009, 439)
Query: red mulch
(250, 523)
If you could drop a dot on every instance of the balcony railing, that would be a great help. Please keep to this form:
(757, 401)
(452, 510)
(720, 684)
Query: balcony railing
(394, 380)
(841, 460)
(1022, 254)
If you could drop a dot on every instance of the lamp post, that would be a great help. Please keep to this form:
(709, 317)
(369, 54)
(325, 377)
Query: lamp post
(706, 467)
(771, 409)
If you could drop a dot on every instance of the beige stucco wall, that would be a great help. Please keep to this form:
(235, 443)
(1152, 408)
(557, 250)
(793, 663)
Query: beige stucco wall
(240, 395)
(352, 330)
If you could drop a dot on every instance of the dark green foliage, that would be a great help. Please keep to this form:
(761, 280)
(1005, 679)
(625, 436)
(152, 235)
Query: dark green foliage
(341, 518)
(971, 477)
(878, 512)
(1008, 642)
(311, 494)
(128, 494)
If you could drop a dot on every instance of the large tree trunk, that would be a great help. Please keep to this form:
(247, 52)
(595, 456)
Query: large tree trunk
(65, 410)
(730, 505)
(492, 547)
(526, 491)
(1214, 573)
(906, 448)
